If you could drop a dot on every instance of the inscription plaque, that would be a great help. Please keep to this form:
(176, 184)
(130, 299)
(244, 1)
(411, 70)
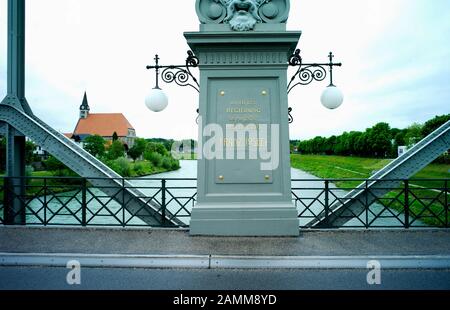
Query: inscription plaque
(244, 105)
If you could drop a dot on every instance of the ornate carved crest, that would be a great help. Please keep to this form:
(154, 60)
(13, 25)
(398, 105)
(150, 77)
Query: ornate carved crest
(242, 15)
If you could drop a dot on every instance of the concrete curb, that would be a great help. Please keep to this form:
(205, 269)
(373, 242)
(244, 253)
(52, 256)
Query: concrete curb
(331, 262)
(222, 262)
(107, 261)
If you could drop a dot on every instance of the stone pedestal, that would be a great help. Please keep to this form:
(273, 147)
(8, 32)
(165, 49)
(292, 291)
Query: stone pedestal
(244, 81)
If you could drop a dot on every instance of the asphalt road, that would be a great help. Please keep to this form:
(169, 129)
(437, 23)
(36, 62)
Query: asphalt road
(48, 278)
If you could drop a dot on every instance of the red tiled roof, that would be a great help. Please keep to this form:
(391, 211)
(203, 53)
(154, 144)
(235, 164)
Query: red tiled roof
(103, 124)
(68, 135)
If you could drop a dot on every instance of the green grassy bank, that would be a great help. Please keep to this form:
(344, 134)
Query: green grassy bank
(427, 203)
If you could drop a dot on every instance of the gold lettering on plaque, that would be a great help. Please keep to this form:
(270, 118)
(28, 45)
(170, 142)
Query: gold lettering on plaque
(243, 110)
(243, 102)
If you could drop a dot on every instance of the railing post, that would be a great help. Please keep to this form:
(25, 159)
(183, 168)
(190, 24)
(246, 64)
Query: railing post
(6, 201)
(123, 202)
(45, 202)
(327, 204)
(163, 202)
(406, 203)
(83, 203)
(366, 203)
(446, 203)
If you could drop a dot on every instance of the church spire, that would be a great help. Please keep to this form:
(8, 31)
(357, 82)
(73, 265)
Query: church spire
(84, 108)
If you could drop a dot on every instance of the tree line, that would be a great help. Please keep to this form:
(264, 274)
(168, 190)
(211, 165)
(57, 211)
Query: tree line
(153, 157)
(379, 141)
(148, 156)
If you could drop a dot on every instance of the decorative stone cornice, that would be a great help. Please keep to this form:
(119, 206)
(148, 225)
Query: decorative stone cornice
(242, 57)
(243, 48)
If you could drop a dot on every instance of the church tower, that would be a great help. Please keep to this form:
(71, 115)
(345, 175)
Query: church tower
(84, 108)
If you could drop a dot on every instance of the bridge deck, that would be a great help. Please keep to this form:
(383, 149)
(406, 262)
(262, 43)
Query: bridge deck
(178, 242)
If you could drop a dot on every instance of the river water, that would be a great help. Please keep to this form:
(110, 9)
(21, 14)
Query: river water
(65, 208)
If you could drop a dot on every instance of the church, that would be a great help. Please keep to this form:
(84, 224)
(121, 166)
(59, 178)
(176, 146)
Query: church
(104, 125)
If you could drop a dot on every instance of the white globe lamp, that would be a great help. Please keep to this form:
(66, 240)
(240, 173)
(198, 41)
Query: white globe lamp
(332, 97)
(156, 100)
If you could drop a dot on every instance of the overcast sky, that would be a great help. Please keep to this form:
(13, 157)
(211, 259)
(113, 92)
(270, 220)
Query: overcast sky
(396, 56)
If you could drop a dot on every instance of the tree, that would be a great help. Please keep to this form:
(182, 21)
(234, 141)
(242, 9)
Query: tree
(30, 157)
(157, 147)
(395, 132)
(166, 143)
(434, 124)
(122, 166)
(138, 148)
(116, 150)
(362, 145)
(140, 144)
(341, 146)
(350, 144)
(53, 164)
(95, 145)
(115, 137)
(293, 145)
(400, 137)
(379, 140)
(154, 157)
(413, 134)
(134, 153)
(329, 145)
(431, 126)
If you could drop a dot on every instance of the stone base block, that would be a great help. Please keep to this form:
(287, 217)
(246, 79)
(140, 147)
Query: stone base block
(238, 219)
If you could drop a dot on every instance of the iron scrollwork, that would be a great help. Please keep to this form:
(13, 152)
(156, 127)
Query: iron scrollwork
(307, 73)
(295, 59)
(291, 118)
(179, 74)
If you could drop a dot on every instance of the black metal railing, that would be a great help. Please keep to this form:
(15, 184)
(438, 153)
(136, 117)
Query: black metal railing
(374, 204)
(320, 203)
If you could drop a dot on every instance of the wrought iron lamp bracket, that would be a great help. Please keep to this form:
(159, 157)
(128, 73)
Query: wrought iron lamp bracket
(179, 74)
(305, 75)
(309, 72)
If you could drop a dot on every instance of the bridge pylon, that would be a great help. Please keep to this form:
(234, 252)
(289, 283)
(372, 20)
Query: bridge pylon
(15, 97)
